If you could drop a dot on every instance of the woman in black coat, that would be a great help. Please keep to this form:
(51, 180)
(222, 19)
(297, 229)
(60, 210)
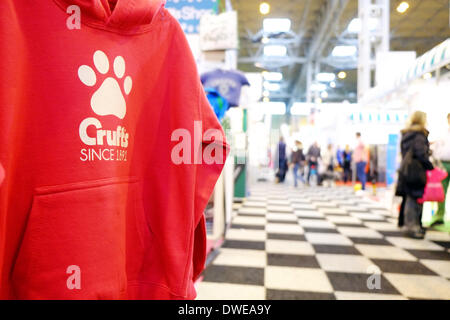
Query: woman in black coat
(412, 174)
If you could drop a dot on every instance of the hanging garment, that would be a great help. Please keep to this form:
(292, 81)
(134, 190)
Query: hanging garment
(218, 103)
(102, 138)
(227, 82)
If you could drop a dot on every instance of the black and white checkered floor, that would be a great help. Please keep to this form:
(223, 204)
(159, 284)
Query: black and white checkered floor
(323, 243)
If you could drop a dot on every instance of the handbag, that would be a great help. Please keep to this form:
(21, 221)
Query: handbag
(434, 191)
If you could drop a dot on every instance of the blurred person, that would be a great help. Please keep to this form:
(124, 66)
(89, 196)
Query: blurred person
(328, 162)
(298, 162)
(360, 159)
(339, 156)
(347, 163)
(282, 161)
(415, 150)
(442, 153)
(312, 157)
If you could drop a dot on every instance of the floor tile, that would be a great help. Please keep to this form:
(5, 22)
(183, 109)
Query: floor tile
(359, 282)
(367, 216)
(281, 202)
(249, 245)
(327, 238)
(430, 255)
(290, 237)
(254, 204)
(297, 295)
(289, 247)
(297, 279)
(397, 233)
(342, 295)
(381, 226)
(405, 267)
(239, 258)
(227, 291)
(283, 228)
(420, 287)
(309, 214)
(247, 226)
(250, 220)
(415, 244)
(254, 211)
(355, 209)
(291, 260)
(303, 206)
(280, 209)
(241, 234)
(442, 268)
(385, 252)
(311, 223)
(320, 230)
(359, 232)
(232, 274)
(371, 241)
(437, 236)
(322, 248)
(334, 211)
(343, 219)
(281, 216)
(344, 263)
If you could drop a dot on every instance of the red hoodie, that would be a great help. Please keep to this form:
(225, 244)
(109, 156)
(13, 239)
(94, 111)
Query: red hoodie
(93, 205)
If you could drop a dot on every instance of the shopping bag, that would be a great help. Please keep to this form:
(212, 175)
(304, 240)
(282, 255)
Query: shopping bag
(434, 191)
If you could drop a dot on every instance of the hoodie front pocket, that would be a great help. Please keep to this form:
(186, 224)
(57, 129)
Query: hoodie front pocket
(75, 244)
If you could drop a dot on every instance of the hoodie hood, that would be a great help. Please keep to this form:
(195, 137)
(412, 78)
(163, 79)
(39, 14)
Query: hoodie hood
(116, 15)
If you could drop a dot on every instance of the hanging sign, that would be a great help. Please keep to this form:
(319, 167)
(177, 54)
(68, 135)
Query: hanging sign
(219, 32)
(189, 12)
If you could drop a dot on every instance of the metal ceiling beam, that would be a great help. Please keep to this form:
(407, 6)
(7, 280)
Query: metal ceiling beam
(331, 17)
(284, 60)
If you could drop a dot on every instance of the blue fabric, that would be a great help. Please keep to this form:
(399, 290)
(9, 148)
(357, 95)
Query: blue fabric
(361, 173)
(218, 103)
(227, 82)
(298, 176)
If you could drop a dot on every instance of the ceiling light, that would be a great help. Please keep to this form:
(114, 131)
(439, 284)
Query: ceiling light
(342, 75)
(259, 65)
(266, 93)
(273, 76)
(325, 77)
(264, 8)
(265, 40)
(318, 87)
(343, 51)
(402, 7)
(276, 25)
(333, 84)
(355, 25)
(275, 51)
(324, 95)
(271, 86)
(427, 76)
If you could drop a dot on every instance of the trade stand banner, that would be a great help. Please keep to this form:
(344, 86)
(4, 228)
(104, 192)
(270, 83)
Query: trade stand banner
(189, 12)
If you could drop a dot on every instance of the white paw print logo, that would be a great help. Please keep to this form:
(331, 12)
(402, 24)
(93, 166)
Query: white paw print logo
(108, 99)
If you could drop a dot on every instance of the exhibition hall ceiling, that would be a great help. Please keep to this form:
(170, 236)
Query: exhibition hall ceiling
(423, 25)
